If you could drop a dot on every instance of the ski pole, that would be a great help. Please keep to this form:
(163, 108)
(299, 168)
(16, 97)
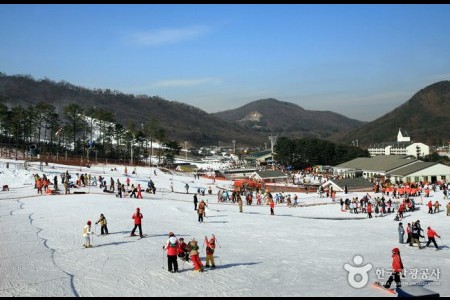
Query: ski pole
(163, 258)
(442, 241)
(216, 241)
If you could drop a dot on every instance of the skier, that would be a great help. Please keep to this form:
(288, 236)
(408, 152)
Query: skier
(408, 232)
(369, 210)
(401, 233)
(193, 254)
(171, 186)
(436, 206)
(397, 268)
(139, 191)
(201, 211)
(210, 246)
(431, 234)
(187, 188)
(430, 207)
(103, 224)
(240, 204)
(195, 201)
(137, 222)
(272, 205)
(87, 234)
(172, 246)
(448, 209)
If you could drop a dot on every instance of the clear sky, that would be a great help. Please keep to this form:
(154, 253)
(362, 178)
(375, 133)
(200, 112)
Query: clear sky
(358, 60)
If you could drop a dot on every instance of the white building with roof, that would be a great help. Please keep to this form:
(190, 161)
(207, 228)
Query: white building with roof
(403, 146)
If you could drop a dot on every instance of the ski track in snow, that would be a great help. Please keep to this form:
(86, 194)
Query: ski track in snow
(297, 252)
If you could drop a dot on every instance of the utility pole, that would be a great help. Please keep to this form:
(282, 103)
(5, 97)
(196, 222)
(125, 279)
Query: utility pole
(185, 149)
(234, 146)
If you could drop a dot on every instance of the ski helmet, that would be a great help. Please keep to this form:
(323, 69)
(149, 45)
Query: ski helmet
(89, 222)
(396, 250)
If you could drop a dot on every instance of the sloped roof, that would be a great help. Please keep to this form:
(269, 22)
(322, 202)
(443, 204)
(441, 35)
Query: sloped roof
(270, 174)
(353, 183)
(382, 163)
(415, 167)
(393, 144)
(259, 154)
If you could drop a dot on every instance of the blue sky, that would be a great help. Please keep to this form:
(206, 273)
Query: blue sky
(361, 61)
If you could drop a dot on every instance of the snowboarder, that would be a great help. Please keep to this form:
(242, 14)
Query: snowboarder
(137, 222)
(210, 246)
(401, 233)
(431, 234)
(397, 268)
(172, 246)
(87, 234)
(103, 224)
(193, 254)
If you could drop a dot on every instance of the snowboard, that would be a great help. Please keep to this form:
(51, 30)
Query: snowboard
(381, 287)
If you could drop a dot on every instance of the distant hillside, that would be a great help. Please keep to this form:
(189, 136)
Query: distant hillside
(274, 116)
(181, 121)
(425, 117)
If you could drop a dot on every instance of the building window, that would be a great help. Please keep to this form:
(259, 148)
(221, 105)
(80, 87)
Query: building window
(408, 179)
(416, 179)
(425, 178)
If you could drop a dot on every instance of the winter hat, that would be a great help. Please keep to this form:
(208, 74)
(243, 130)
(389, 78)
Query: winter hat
(89, 222)
(429, 227)
(171, 234)
(400, 223)
(138, 209)
(396, 250)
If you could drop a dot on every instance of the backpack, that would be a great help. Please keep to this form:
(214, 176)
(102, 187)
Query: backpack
(173, 242)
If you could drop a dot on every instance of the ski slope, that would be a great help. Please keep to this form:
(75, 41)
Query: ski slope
(299, 251)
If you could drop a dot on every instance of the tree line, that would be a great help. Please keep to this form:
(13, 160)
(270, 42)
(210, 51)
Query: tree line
(79, 130)
(306, 152)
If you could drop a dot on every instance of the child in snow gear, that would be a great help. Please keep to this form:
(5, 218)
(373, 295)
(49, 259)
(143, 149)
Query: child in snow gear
(137, 222)
(172, 246)
(103, 224)
(210, 246)
(87, 233)
(431, 234)
(183, 252)
(193, 253)
(397, 268)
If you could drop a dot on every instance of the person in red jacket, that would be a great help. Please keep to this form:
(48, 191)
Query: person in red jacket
(172, 247)
(431, 234)
(369, 210)
(183, 252)
(272, 205)
(137, 222)
(210, 246)
(397, 268)
(430, 207)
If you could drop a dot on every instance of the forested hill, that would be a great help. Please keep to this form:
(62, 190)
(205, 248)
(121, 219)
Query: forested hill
(425, 117)
(180, 121)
